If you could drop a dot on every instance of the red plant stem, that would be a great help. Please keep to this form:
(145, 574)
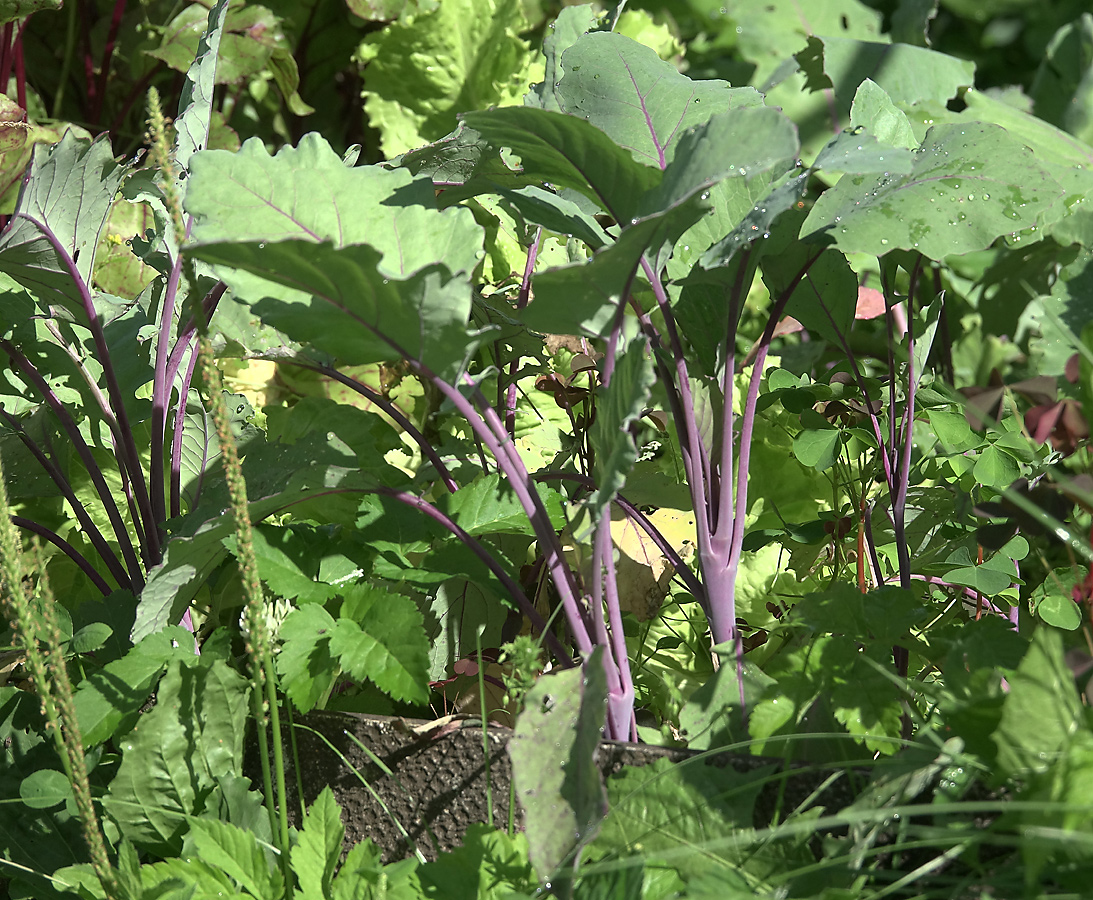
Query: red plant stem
(177, 434)
(67, 549)
(107, 57)
(7, 55)
(91, 530)
(31, 374)
(522, 300)
(20, 69)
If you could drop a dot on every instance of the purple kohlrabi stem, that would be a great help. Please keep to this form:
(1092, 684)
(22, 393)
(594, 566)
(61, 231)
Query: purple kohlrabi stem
(161, 394)
(177, 433)
(476, 547)
(522, 300)
(129, 457)
(620, 690)
(397, 415)
(67, 549)
(32, 375)
(642, 521)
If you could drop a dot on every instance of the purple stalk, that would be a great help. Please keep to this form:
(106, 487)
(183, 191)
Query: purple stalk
(80, 511)
(129, 457)
(376, 398)
(161, 393)
(176, 435)
(620, 694)
(67, 549)
(107, 55)
(479, 550)
(28, 370)
(522, 300)
(641, 520)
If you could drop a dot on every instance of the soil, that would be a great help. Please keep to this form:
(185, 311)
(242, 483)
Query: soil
(406, 784)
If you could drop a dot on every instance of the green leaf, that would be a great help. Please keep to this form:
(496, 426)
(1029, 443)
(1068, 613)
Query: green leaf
(567, 151)
(908, 74)
(556, 214)
(486, 506)
(987, 581)
(642, 102)
(666, 811)
(1061, 89)
(490, 865)
(970, 184)
(734, 143)
(70, 190)
(195, 105)
(343, 305)
(169, 765)
(236, 852)
(1042, 711)
(319, 847)
(584, 298)
(874, 111)
(619, 405)
(110, 697)
(285, 566)
(758, 221)
(554, 771)
(475, 60)
(307, 193)
(861, 154)
(564, 32)
(995, 468)
(1053, 601)
(818, 448)
(380, 636)
(305, 665)
(712, 717)
(44, 789)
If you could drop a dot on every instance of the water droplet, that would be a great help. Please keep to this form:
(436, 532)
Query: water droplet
(884, 241)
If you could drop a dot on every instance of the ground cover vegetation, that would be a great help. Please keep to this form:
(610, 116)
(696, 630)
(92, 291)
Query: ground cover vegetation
(707, 374)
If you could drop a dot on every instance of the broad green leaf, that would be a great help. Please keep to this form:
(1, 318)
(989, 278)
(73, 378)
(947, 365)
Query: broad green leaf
(882, 616)
(236, 852)
(554, 771)
(319, 847)
(860, 153)
(734, 143)
(110, 698)
(426, 68)
(564, 32)
(874, 111)
(818, 448)
(987, 581)
(70, 190)
(489, 865)
(907, 74)
(679, 814)
(44, 789)
(768, 33)
(712, 717)
(996, 468)
(970, 184)
(306, 668)
(1061, 91)
(567, 151)
(758, 221)
(584, 298)
(247, 40)
(286, 568)
(556, 214)
(380, 636)
(171, 763)
(12, 10)
(486, 506)
(341, 303)
(1042, 711)
(1053, 601)
(307, 193)
(640, 101)
(952, 431)
(195, 104)
(619, 405)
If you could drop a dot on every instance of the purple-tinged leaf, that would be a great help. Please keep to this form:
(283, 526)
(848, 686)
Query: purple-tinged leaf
(641, 102)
